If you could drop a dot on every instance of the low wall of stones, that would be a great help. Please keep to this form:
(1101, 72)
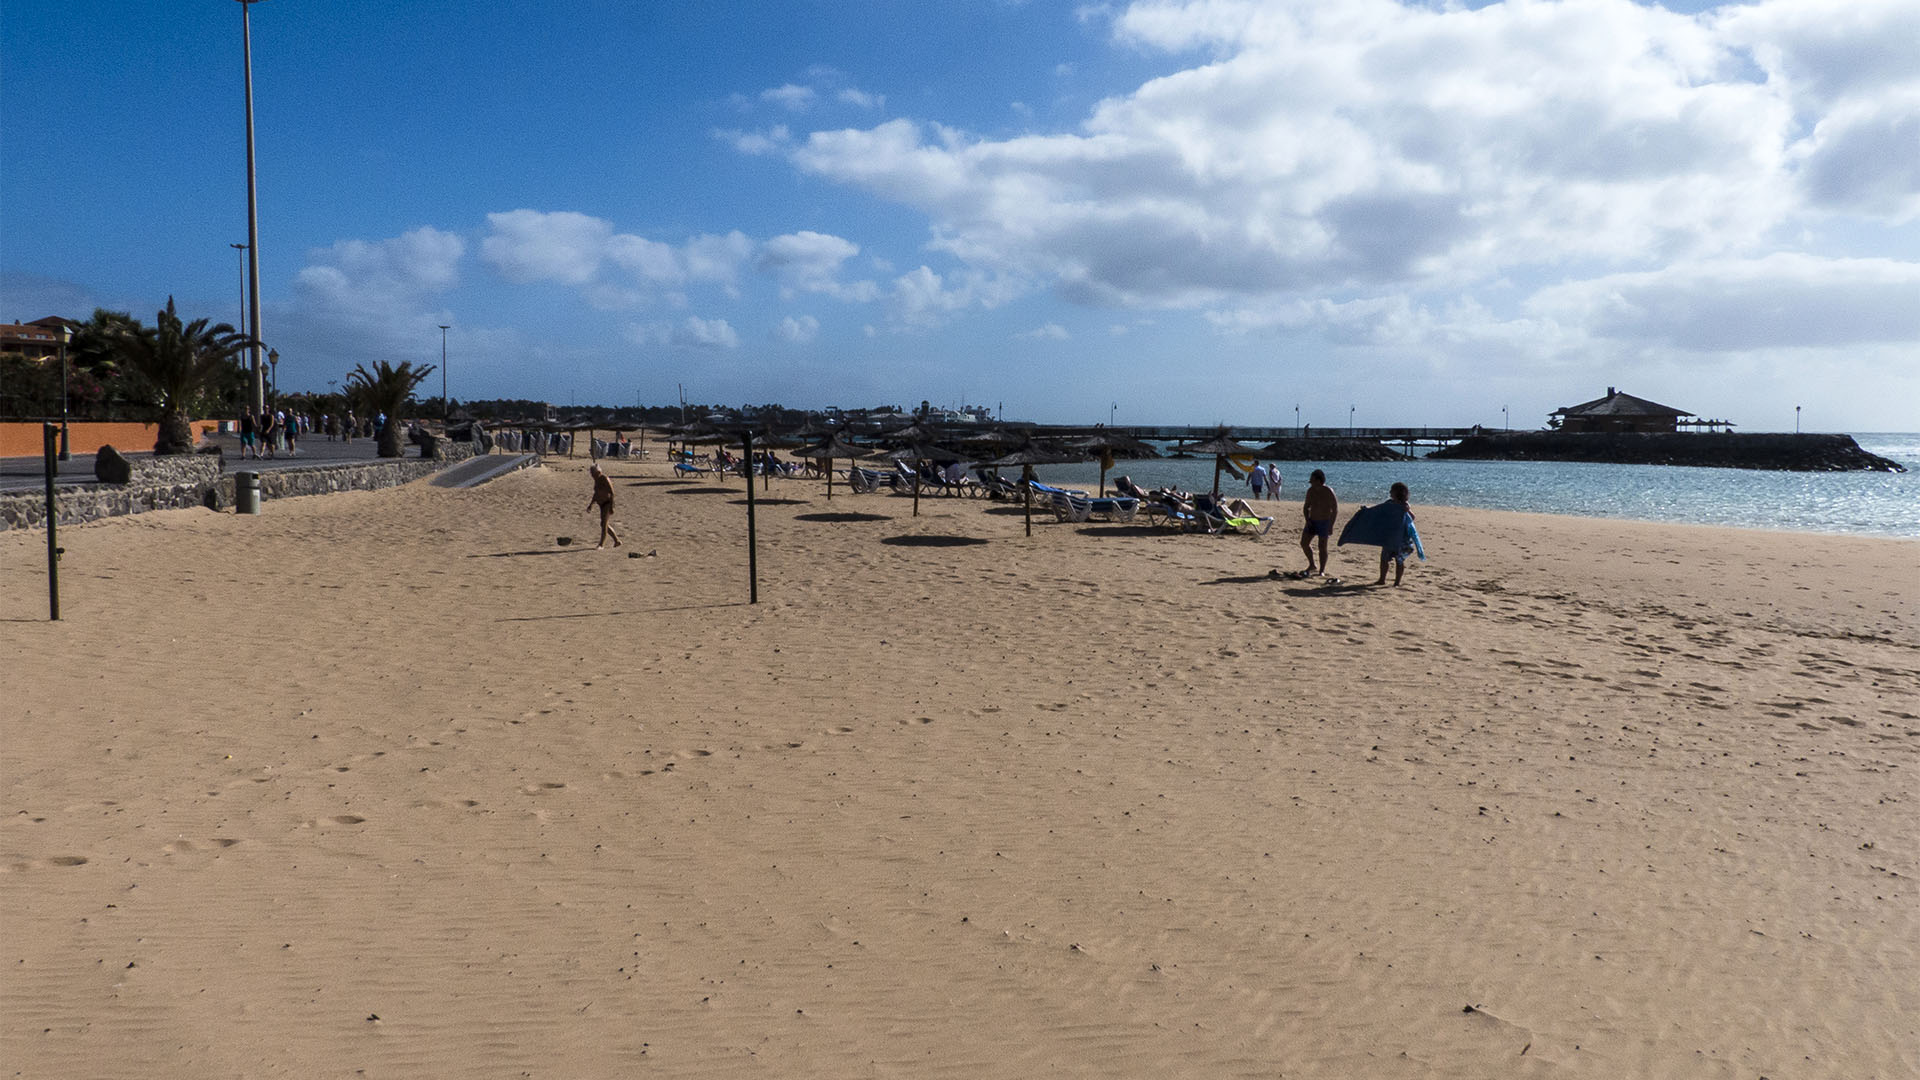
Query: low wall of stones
(190, 480)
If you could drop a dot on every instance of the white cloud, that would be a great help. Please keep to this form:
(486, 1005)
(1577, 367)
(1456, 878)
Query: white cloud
(1782, 301)
(798, 331)
(1371, 145)
(773, 140)
(383, 274)
(691, 333)
(922, 298)
(575, 249)
(1046, 332)
(810, 262)
(790, 96)
(851, 96)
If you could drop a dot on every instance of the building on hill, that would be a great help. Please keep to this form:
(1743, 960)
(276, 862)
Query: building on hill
(35, 340)
(1624, 412)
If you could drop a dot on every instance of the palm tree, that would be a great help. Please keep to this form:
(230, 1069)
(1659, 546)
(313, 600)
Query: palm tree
(182, 365)
(385, 390)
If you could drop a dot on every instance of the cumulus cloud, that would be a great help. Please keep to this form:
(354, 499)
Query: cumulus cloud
(691, 333)
(798, 331)
(612, 269)
(1778, 302)
(809, 262)
(1047, 332)
(382, 275)
(790, 96)
(1374, 145)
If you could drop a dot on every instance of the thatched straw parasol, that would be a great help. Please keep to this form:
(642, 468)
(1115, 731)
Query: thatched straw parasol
(1027, 456)
(1110, 445)
(1221, 446)
(835, 447)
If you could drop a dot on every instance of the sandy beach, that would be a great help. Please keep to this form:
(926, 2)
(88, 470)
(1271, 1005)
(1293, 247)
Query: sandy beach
(390, 784)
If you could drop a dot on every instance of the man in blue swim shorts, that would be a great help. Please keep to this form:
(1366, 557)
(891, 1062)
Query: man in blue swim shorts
(1320, 509)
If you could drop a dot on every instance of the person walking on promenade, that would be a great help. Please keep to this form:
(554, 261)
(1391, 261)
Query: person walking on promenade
(603, 498)
(269, 432)
(292, 429)
(1319, 509)
(247, 435)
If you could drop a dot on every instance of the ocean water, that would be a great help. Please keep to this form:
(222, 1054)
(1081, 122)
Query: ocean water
(1861, 503)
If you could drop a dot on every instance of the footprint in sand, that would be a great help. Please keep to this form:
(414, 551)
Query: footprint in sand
(347, 819)
(535, 789)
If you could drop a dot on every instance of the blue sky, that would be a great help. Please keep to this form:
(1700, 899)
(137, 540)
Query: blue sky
(1197, 211)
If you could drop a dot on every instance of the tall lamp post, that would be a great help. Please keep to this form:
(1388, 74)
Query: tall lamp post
(240, 256)
(443, 375)
(1296, 420)
(1505, 421)
(1796, 413)
(1350, 410)
(273, 362)
(253, 214)
(65, 332)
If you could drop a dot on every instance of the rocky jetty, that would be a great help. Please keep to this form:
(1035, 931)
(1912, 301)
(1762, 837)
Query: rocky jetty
(1723, 450)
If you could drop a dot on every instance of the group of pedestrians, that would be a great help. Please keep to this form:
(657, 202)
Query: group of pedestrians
(265, 434)
(1265, 481)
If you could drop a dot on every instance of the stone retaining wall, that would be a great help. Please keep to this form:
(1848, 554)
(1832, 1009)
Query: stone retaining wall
(189, 480)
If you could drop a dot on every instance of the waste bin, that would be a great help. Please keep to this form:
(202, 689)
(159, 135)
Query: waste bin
(246, 493)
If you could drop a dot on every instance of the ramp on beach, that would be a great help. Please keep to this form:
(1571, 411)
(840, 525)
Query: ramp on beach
(478, 470)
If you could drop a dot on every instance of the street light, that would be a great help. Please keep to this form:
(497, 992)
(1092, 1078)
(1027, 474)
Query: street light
(273, 359)
(1296, 420)
(65, 332)
(1350, 409)
(443, 374)
(1504, 421)
(240, 256)
(253, 213)
(1796, 415)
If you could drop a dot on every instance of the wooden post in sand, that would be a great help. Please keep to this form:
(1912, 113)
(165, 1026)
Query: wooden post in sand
(753, 565)
(49, 436)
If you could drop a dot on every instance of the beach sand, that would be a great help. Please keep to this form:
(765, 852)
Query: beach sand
(390, 784)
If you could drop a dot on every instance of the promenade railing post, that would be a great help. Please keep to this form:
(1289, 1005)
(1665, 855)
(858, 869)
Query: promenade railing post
(753, 561)
(50, 437)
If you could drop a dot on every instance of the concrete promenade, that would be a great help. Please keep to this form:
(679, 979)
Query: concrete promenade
(28, 473)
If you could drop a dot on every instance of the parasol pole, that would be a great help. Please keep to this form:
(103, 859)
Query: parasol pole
(753, 566)
(1026, 495)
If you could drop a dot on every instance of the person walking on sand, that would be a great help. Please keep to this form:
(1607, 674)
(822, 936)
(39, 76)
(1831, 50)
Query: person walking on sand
(1257, 479)
(603, 498)
(1319, 509)
(1273, 480)
(1397, 551)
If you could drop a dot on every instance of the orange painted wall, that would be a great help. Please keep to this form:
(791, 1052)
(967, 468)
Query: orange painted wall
(23, 439)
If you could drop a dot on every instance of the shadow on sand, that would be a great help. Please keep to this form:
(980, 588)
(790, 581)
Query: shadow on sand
(912, 540)
(542, 551)
(760, 501)
(703, 491)
(838, 517)
(1123, 530)
(617, 614)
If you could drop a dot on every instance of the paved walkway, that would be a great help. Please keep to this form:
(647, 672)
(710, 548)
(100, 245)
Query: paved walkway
(29, 473)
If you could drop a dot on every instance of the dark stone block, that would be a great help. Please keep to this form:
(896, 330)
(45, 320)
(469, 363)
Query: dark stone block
(112, 467)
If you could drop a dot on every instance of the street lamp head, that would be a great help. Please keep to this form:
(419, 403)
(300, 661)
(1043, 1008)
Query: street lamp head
(273, 356)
